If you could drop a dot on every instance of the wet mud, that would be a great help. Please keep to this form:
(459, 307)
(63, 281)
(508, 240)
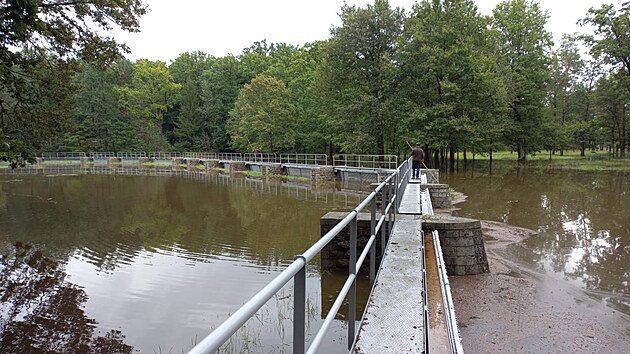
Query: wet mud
(517, 308)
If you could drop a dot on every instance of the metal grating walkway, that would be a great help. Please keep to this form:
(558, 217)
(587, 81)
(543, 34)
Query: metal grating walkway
(410, 203)
(394, 318)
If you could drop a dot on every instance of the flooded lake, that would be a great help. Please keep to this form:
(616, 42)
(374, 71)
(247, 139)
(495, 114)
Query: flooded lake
(582, 221)
(148, 264)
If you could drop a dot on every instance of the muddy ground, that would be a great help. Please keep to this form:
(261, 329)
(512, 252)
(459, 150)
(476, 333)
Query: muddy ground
(518, 309)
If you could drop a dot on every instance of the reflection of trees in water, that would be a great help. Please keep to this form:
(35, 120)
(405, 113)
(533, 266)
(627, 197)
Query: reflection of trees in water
(582, 217)
(40, 312)
(113, 218)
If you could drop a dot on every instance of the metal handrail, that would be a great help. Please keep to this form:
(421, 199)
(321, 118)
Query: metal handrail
(304, 159)
(230, 156)
(61, 155)
(101, 155)
(297, 271)
(267, 157)
(366, 161)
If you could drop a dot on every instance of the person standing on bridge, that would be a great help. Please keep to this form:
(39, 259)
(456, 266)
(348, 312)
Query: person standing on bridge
(417, 158)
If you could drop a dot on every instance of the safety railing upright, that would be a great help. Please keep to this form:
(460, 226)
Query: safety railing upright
(381, 227)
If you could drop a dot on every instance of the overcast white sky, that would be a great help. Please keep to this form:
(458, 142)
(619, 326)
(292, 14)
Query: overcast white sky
(221, 27)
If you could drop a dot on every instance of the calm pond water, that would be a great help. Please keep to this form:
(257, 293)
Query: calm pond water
(582, 220)
(152, 263)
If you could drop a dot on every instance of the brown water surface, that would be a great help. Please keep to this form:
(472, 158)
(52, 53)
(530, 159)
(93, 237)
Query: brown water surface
(147, 264)
(583, 223)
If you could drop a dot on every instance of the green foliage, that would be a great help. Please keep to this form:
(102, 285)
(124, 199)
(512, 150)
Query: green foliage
(441, 74)
(362, 76)
(454, 93)
(39, 43)
(187, 70)
(220, 86)
(263, 117)
(524, 47)
(151, 93)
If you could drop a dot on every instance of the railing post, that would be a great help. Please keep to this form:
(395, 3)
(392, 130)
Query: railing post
(384, 224)
(373, 247)
(352, 294)
(389, 214)
(299, 309)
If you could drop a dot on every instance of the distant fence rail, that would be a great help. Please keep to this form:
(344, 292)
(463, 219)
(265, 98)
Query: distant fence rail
(160, 155)
(131, 155)
(304, 159)
(389, 162)
(62, 155)
(200, 155)
(269, 157)
(366, 161)
(101, 155)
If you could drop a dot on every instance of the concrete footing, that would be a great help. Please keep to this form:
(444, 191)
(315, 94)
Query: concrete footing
(440, 195)
(337, 253)
(461, 240)
(462, 243)
(237, 167)
(273, 170)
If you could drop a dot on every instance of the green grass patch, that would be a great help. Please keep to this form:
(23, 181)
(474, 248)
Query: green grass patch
(156, 164)
(570, 160)
(252, 173)
(60, 162)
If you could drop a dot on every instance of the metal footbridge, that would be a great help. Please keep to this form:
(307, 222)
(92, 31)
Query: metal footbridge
(409, 310)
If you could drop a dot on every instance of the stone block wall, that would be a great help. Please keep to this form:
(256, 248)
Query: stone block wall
(440, 195)
(462, 243)
(323, 174)
(274, 169)
(336, 254)
(433, 175)
(213, 164)
(238, 167)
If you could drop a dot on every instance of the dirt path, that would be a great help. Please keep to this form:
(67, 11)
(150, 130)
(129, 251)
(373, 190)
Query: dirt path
(518, 309)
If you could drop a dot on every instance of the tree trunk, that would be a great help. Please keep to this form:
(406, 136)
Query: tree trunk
(452, 158)
(624, 137)
(521, 151)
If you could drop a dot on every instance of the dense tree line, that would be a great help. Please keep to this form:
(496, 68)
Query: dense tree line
(440, 74)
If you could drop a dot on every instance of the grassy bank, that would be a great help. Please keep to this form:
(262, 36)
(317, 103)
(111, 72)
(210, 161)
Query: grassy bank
(570, 160)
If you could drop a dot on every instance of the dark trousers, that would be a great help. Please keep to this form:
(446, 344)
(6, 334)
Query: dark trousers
(415, 169)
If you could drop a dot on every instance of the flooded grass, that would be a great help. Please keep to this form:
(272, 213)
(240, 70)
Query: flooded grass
(571, 160)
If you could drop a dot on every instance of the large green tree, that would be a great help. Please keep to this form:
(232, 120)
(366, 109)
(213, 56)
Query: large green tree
(151, 93)
(363, 76)
(263, 117)
(610, 43)
(187, 71)
(220, 86)
(37, 33)
(448, 63)
(524, 51)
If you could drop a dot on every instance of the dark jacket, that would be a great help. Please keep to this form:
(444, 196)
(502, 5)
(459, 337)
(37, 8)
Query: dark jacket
(417, 154)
